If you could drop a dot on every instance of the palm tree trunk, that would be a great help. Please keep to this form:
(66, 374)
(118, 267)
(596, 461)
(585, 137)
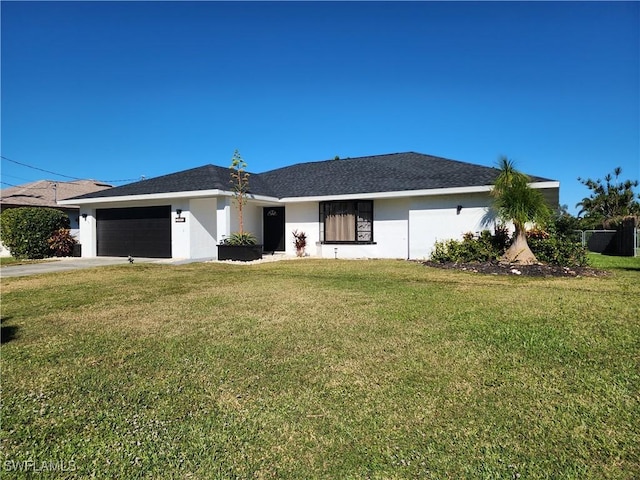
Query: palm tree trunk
(519, 251)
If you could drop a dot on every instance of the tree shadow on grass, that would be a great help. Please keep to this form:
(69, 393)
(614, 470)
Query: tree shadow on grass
(7, 332)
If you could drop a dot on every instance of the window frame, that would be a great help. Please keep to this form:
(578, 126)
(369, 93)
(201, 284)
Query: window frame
(354, 204)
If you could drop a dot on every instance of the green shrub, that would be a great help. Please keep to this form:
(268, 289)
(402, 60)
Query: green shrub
(547, 245)
(483, 248)
(558, 250)
(26, 231)
(446, 251)
(239, 239)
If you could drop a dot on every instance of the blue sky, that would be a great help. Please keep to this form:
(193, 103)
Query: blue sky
(117, 90)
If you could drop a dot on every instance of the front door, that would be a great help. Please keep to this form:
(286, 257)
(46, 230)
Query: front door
(273, 225)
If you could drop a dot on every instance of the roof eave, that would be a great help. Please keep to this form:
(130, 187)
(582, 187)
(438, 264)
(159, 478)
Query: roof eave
(317, 198)
(163, 196)
(409, 193)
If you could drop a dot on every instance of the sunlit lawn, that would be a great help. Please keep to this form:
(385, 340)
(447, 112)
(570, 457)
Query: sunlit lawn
(613, 262)
(320, 369)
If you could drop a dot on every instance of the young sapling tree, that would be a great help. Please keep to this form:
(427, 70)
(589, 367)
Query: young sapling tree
(240, 183)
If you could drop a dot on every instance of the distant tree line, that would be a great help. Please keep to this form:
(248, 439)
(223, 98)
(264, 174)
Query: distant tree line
(611, 200)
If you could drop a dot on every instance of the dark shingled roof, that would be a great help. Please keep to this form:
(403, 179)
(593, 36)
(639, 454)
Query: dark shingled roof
(376, 174)
(208, 177)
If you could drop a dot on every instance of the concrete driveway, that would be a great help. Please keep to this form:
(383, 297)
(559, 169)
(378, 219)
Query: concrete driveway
(71, 263)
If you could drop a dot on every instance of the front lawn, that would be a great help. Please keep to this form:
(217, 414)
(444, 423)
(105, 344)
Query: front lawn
(320, 369)
(9, 261)
(613, 262)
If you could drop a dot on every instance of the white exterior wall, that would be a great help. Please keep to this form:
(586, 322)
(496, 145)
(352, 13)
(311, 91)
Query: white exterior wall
(207, 222)
(390, 231)
(302, 217)
(180, 230)
(390, 234)
(202, 224)
(180, 238)
(252, 214)
(404, 227)
(87, 235)
(391, 227)
(223, 218)
(251, 219)
(436, 218)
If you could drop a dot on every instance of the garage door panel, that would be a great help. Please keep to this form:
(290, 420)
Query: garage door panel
(138, 231)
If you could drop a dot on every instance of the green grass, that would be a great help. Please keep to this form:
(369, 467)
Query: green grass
(8, 261)
(321, 369)
(612, 262)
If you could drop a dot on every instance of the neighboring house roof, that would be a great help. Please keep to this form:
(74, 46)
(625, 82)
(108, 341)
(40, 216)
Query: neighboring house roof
(45, 193)
(395, 172)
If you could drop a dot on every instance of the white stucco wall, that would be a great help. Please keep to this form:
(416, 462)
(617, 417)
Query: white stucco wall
(4, 251)
(202, 225)
(390, 228)
(390, 233)
(87, 235)
(251, 217)
(302, 217)
(223, 218)
(404, 227)
(436, 218)
(180, 230)
(207, 220)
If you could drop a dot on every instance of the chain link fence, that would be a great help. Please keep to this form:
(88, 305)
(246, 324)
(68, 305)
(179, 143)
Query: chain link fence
(624, 241)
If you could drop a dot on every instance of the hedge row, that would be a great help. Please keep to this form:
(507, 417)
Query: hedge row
(26, 231)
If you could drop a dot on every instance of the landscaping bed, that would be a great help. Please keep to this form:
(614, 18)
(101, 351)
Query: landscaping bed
(535, 270)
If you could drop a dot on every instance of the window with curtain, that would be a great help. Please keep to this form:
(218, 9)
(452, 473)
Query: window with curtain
(347, 221)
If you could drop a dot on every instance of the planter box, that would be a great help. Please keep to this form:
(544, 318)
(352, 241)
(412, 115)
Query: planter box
(242, 253)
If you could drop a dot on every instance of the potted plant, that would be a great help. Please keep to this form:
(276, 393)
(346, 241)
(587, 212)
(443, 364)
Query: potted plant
(300, 242)
(241, 245)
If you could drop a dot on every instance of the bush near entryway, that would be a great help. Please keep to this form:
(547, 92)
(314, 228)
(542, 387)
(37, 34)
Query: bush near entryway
(26, 231)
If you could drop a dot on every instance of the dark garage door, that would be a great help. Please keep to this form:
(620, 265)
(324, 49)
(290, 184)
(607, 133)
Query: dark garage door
(139, 232)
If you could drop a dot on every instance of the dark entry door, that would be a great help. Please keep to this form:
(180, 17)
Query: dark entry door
(273, 225)
(138, 231)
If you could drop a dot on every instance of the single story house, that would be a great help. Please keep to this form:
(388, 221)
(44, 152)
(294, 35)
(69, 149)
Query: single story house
(46, 193)
(383, 206)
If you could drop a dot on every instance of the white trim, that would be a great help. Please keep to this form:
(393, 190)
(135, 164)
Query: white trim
(409, 193)
(164, 196)
(319, 198)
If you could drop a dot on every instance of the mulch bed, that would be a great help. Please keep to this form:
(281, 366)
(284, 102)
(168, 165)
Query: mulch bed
(536, 270)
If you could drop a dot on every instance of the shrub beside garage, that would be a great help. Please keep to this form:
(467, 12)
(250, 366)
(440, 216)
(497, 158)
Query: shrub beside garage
(26, 231)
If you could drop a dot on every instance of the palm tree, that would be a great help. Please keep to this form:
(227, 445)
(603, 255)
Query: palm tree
(515, 201)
